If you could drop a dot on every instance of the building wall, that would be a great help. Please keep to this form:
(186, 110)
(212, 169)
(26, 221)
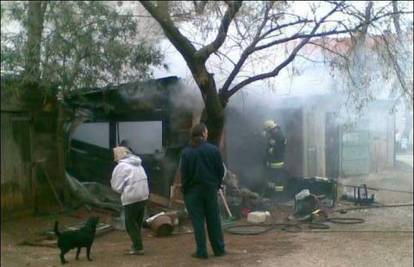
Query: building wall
(314, 140)
(320, 142)
(382, 132)
(292, 123)
(25, 186)
(15, 161)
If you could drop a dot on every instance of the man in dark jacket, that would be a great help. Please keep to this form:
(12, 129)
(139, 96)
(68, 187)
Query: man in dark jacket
(202, 173)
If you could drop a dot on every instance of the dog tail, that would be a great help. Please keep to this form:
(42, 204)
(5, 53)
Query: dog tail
(56, 229)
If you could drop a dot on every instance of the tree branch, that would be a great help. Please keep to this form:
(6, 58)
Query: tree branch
(289, 59)
(397, 68)
(199, 6)
(180, 42)
(329, 50)
(332, 32)
(247, 52)
(279, 27)
(367, 18)
(396, 20)
(207, 50)
(219, 54)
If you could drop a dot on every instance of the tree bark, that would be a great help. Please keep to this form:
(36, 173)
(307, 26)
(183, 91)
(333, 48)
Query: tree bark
(213, 113)
(33, 88)
(35, 19)
(61, 153)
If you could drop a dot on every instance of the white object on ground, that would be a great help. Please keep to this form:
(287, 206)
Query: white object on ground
(258, 216)
(302, 194)
(150, 219)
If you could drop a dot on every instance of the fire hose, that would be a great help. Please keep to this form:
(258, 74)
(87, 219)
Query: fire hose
(255, 229)
(344, 210)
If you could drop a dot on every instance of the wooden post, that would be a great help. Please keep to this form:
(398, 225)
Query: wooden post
(33, 171)
(53, 188)
(176, 196)
(225, 203)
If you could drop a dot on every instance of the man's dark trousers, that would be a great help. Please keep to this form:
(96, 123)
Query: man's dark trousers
(202, 206)
(134, 216)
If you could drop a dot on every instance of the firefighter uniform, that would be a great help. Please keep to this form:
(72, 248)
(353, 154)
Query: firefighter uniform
(275, 154)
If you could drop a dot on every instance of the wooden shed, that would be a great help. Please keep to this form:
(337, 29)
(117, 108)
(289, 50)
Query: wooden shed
(26, 184)
(15, 159)
(143, 113)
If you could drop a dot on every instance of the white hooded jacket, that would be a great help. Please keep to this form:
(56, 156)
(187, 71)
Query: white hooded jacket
(130, 180)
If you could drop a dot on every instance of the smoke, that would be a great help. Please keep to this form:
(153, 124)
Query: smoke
(309, 122)
(245, 144)
(186, 95)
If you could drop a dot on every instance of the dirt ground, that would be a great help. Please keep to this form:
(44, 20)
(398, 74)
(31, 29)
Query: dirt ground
(384, 239)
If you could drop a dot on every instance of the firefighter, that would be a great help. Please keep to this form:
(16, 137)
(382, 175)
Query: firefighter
(275, 154)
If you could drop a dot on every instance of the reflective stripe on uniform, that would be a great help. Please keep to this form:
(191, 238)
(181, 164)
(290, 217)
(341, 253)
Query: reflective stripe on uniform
(275, 165)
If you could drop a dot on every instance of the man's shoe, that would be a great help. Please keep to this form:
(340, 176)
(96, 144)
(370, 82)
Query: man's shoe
(220, 254)
(136, 252)
(195, 255)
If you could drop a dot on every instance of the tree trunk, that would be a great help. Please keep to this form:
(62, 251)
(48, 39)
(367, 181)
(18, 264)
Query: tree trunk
(213, 113)
(48, 117)
(34, 28)
(214, 120)
(61, 153)
(408, 125)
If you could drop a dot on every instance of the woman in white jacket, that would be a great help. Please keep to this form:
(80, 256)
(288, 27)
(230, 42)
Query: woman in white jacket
(130, 180)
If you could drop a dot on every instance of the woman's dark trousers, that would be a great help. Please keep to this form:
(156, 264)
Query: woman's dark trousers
(134, 216)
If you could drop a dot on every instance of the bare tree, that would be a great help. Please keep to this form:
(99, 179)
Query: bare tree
(402, 73)
(248, 32)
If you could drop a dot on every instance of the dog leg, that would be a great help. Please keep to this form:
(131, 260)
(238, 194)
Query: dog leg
(77, 253)
(88, 252)
(62, 257)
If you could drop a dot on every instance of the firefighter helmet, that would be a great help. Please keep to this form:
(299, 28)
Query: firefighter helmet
(269, 124)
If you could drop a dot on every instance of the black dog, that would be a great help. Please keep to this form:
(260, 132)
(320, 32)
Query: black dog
(77, 239)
